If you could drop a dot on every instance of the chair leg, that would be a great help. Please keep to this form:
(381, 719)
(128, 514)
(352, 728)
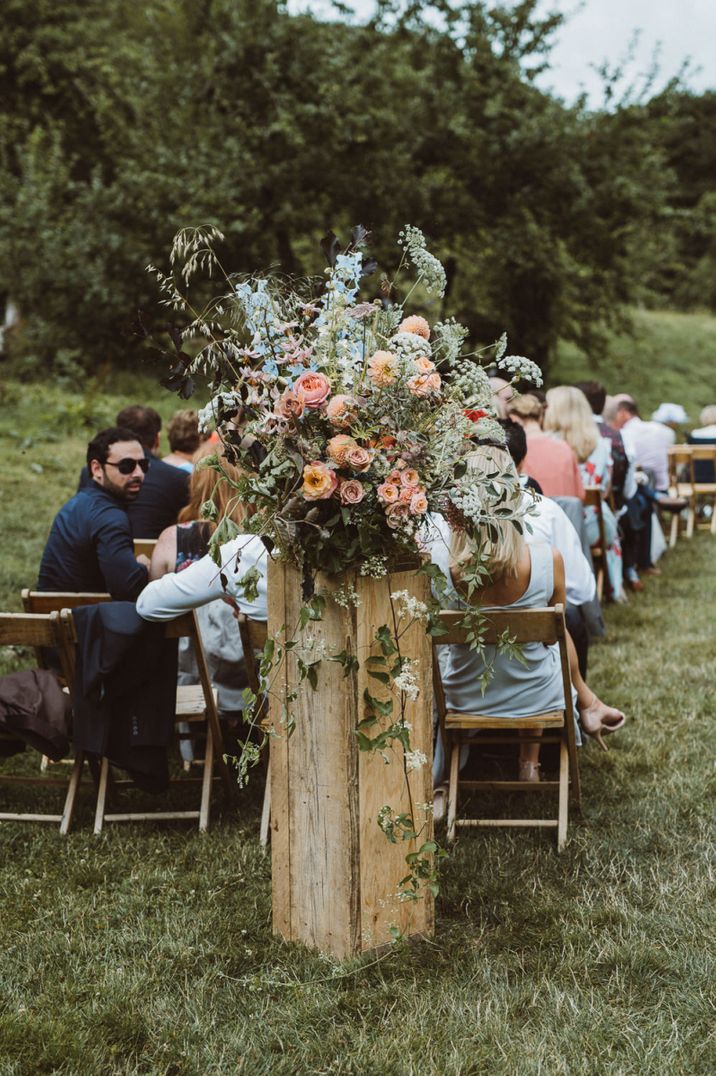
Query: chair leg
(266, 810)
(690, 520)
(452, 791)
(674, 533)
(71, 798)
(206, 780)
(563, 810)
(101, 795)
(713, 516)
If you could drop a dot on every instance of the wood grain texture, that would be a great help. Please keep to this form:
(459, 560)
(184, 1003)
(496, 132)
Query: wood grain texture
(335, 875)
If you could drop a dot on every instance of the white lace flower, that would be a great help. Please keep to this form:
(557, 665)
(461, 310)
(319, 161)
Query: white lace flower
(409, 607)
(415, 760)
(522, 368)
(427, 265)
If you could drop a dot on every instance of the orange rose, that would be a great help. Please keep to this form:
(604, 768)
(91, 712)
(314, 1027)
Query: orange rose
(388, 492)
(319, 481)
(313, 388)
(383, 369)
(339, 447)
(415, 324)
(424, 365)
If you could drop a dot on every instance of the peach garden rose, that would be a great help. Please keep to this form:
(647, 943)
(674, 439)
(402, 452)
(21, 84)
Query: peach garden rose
(415, 324)
(289, 405)
(389, 492)
(340, 411)
(313, 388)
(319, 481)
(359, 459)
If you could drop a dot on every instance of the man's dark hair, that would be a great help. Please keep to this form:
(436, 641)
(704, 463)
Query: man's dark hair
(630, 406)
(516, 439)
(99, 446)
(596, 394)
(144, 421)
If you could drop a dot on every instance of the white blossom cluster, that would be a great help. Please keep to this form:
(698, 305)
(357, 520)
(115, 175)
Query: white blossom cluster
(406, 680)
(449, 337)
(210, 412)
(311, 649)
(522, 368)
(409, 346)
(376, 567)
(429, 269)
(346, 596)
(409, 607)
(415, 760)
(473, 384)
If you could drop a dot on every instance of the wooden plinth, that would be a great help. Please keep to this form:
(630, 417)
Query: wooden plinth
(335, 874)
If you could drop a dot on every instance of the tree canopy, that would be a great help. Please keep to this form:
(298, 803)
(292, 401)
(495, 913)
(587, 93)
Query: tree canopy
(122, 122)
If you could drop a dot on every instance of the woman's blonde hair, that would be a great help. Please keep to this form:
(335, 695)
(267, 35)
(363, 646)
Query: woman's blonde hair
(525, 406)
(708, 416)
(569, 414)
(183, 431)
(208, 484)
(498, 541)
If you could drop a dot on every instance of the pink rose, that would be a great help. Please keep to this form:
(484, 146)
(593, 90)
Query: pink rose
(396, 515)
(351, 491)
(319, 481)
(339, 448)
(388, 492)
(313, 388)
(289, 405)
(424, 365)
(406, 494)
(340, 411)
(359, 459)
(409, 477)
(419, 504)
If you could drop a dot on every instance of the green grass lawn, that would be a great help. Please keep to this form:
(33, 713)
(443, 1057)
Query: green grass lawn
(149, 949)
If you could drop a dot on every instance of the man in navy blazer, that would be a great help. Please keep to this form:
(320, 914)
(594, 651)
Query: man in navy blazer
(90, 547)
(166, 488)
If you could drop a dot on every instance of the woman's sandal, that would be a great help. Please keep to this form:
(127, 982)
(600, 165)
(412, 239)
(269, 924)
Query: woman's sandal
(606, 727)
(440, 795)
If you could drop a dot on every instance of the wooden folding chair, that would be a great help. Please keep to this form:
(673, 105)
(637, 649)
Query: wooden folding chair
(476, 730)
(681, 484)
(704, 490)
(53, 601)
(593, 499)
(144, 546)
(41, 631)
(196, 706)
(254, 634)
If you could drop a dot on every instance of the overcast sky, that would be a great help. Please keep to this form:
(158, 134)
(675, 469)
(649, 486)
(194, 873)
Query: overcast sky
(600, 30)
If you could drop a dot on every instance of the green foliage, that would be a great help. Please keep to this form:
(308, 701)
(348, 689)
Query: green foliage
(120, 123)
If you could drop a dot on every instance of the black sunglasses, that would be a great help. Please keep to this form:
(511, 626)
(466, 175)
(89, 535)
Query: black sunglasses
(128, 465)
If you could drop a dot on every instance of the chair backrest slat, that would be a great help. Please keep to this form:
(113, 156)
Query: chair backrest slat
(523, 625)
(38, 601)
(254, 634)
(144, 546)
(27, 629)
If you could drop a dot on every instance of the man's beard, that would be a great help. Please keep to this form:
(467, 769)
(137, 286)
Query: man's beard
(122, 493)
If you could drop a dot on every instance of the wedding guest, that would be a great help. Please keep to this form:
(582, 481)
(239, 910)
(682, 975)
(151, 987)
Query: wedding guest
(596, 398)
(705, 434)
(521, 577)
(184, 440)
(166, 488)
(644, 441)
(502, 394)
(90, 545)
(669, 416)
(550, 461)
(549, 523)
(569, 416)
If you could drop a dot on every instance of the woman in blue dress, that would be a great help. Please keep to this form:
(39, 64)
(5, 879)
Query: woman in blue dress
(520, 577)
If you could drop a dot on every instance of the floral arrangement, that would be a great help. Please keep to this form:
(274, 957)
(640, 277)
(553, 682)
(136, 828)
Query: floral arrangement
(349, 419)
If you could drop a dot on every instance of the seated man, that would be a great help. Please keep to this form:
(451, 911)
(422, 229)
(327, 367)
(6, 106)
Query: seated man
(90, 546)
(705, 435)
(166, 488)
